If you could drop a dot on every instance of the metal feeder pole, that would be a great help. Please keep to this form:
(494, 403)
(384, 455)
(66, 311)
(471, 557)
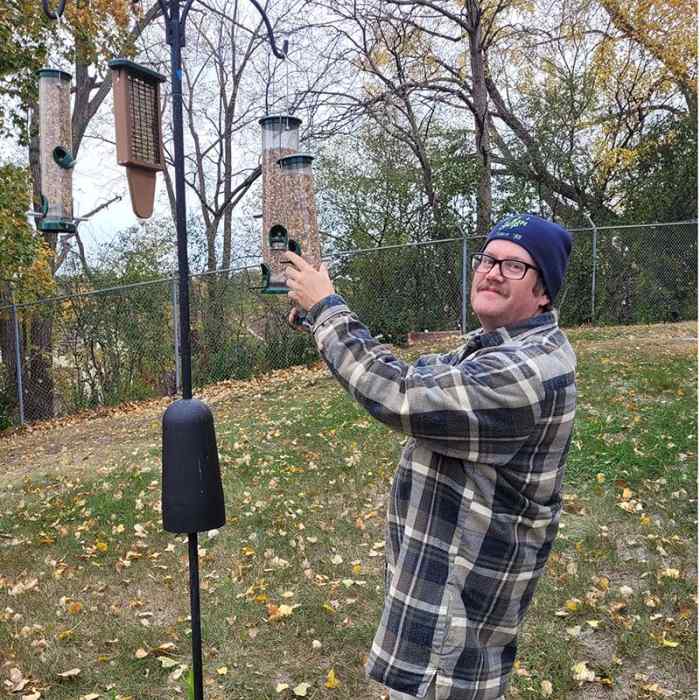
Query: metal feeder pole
(175, 37)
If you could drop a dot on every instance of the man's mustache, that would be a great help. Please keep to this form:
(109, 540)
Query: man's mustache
(489, 288)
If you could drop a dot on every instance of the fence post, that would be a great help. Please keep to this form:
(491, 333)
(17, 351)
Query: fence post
(595, 259)
(18, 363)
(176, 333)
(465, 280)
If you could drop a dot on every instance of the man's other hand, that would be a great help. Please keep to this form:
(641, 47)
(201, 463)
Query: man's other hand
(307, 286)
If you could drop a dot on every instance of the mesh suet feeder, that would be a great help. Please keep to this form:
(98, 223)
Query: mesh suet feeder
(55, 152)
(139, 131)
(289, 207)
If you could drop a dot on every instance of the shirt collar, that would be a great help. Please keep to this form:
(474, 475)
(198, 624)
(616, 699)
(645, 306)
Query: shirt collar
(482, 339)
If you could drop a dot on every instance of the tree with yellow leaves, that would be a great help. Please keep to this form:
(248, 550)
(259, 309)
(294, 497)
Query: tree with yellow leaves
(87, 35)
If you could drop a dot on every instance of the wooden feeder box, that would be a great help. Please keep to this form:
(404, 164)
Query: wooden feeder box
(139, 132)
(289, 206)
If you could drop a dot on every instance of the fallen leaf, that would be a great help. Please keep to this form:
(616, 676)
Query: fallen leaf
(301, 690)
(331, 680)
(582, 673)
(72, 673)
(17, 681)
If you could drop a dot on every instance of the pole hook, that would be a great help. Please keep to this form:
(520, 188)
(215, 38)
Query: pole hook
(59, 10)
(280, 54)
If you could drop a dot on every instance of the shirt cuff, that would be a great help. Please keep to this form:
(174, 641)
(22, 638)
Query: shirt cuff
(322, 310)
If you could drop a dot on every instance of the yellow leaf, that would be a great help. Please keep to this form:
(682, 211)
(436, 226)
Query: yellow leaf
(668, 642)
(572, 604)
(331, 680)
(90, 696)
(670, 573)
(277, 612)
(281, 687)
(600, 478)
(582, 672)
(75, 607)
(101, 547)
(167, 662)
(141, 653)
(602, 582)
(222, 671)
(644, 520)
(546, 689)
(301, 690)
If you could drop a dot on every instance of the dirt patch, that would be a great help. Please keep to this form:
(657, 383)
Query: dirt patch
(93, 442)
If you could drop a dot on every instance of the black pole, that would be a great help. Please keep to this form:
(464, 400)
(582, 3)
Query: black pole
(176, 38)
(196, 617)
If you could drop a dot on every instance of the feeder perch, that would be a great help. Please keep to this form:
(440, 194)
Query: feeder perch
(192, 494)
(55, 144)
(139, 132)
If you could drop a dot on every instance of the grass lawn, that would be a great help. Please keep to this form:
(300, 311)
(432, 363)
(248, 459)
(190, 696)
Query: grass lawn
(94, 598)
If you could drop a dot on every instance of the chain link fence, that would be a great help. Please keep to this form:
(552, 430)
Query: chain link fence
(62, 355)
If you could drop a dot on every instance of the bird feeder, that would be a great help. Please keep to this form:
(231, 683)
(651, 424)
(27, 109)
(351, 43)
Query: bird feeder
(301, 204)
(55, 152)
(289, 208)
(138, 129)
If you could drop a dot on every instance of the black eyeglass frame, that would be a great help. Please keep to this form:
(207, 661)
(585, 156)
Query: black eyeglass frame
(478, 257)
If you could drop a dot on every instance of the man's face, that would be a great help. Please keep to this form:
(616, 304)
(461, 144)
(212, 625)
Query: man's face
(499, 301)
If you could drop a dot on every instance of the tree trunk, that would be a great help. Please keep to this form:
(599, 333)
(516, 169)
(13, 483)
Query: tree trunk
(9, 357)
(480, 101)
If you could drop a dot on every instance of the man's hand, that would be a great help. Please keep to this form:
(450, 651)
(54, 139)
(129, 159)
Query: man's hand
(307, 286)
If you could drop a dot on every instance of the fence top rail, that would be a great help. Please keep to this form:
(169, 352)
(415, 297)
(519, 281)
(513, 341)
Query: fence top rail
(331, 256)
(621, 226)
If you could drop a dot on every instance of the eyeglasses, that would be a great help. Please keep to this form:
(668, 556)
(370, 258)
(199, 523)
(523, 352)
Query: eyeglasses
(510, 269)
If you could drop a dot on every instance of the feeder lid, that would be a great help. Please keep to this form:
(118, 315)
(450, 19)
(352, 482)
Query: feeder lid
(54, 73)
(135, 68)
(279, 119)
(295, 161)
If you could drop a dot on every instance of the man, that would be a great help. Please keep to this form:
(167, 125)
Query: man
(475, 501)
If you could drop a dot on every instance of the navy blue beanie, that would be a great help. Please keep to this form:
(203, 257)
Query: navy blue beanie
(548, 243)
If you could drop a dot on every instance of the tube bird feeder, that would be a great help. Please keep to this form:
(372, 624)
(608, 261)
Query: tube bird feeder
(301, 209)
(55, 152)
(280, 137)
(139, 132)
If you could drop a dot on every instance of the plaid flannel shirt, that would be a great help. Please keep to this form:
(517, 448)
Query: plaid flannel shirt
(475, 501)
